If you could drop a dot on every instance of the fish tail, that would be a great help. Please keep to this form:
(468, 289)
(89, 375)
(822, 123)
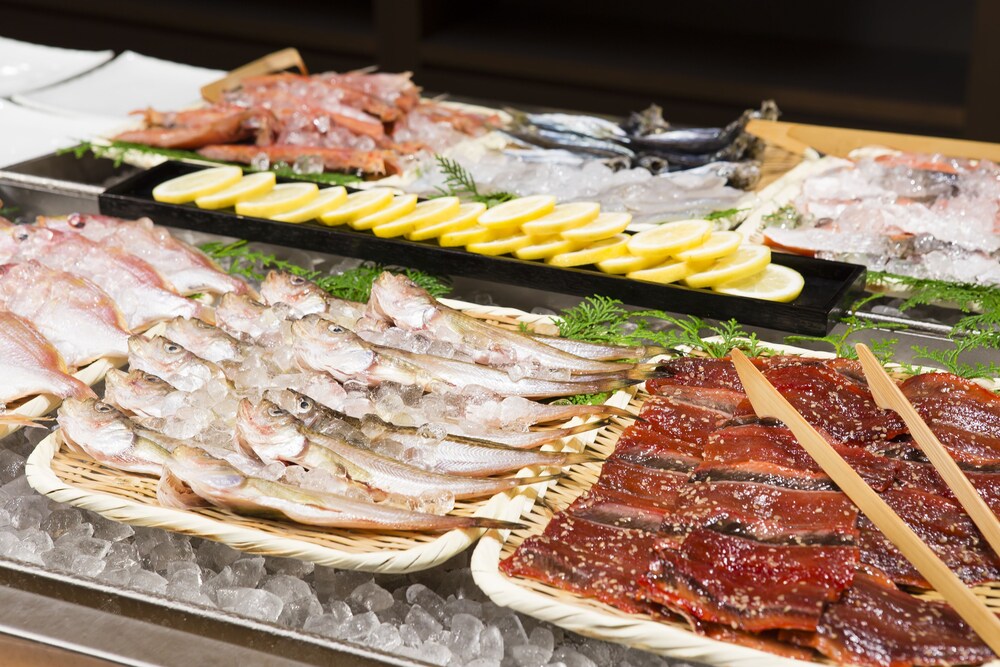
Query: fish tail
(525, 481)
(579, 457)
(484, 522)
(581, 428)
(14, 419)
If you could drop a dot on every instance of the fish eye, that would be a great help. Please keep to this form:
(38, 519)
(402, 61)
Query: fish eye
(275, 411)
(21, 235)
(152, 379)
(305, 404)
(333, 328)
(76, 222)
(297, 280)
(172, 348)
(103, 407)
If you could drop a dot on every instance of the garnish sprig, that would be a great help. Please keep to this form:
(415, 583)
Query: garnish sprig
(459, 183)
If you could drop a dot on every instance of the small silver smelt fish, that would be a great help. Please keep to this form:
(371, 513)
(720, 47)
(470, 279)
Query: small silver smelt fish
(222, 485)
(171, 362)
(398, 299)
(275, 435)
(452, 455)
(111, 438)
(307, 298)
(208, 342)
(137, 392)
(601, 351)
(325, 346)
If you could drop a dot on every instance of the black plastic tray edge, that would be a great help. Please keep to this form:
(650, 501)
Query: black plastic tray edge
(126, 200)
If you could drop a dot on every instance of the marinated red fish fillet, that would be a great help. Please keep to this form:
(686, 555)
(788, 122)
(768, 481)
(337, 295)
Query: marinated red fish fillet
(615, 507)
(644, 444)
(336, 159)
(764, 513)
(721, 374)
(724, 401)
(880, 626)
(944, 526)
(192, 129)
(833, 403)
(963, 415)
(682, 421)
(772, 455)
(748, 585)
(923, 476)
(762, 641)
(633, 479)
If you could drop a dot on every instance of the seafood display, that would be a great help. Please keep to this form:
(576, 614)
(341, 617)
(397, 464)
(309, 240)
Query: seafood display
(926, 216)
(371, 123)
(707, 514)
(283, 410)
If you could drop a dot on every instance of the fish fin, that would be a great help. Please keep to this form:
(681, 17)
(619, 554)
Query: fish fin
(13, 419)
(483, 522)
(650, 351)
(580, 457)
(583, 428)
(524, 481)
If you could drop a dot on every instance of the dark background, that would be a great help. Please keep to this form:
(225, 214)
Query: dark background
(923, 66)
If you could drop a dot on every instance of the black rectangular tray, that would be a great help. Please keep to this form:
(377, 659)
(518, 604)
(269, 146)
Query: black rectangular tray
(829, 286)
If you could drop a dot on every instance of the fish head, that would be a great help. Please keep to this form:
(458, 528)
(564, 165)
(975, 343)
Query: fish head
(208, 341)
(324, 345)
(395, 297)
(305, 296)
(300, 406)
(265, 430)
(95, 425)
(199, 469)
(240, 314)
(136, 387)
(157, 353)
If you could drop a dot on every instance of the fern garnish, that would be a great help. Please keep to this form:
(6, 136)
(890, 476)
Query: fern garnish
(460, 184)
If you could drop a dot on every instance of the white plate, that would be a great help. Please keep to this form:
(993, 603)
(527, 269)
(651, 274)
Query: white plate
(25, 66)
(128, 83)
(27, 133)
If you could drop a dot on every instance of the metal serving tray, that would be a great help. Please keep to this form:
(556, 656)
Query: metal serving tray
(830, 286)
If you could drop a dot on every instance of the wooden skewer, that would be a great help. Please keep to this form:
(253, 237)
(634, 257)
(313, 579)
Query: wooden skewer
(272, 62)
(768, 402)
(888, 395)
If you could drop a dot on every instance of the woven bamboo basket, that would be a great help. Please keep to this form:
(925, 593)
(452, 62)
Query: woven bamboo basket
(72, 477)
(596, 619)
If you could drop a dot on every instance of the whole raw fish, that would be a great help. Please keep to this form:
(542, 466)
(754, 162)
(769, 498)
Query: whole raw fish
(306, 298)
(600, 351)
(106, 434)
(31, 364)
(404, 303)
(139, 393)
(140, 292)
(324, 346)
(77, 317)
(224, 486)
(275, 435)
(447, 454)
(247, 318)
(188, 269)
(208, 342)
(171, 362)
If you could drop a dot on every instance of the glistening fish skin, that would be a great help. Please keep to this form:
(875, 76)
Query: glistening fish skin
(397, 299)
(137, 392)
(187, 269)
(600, 351)
(324, 346)
(275, 435)
(31, 365)
(208, 342)
(306, 298)
(171, 362)
(76, 316)
(451, 455)
(111, 438)
(224, 486)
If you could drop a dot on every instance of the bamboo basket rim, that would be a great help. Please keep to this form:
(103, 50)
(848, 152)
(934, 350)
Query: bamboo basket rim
(591, 618)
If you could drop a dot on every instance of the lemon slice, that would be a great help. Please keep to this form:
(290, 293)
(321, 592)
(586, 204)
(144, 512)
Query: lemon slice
(603, 226)
(398, 207)
(248, 187)
(626, 264)
(545, 248)
(510, 215)
(358, 204)
(718, 244)
(465, 218)
(562, 217)
(668, 272)
(774, 283)
(598, 252)
(196, 184)
(327, 200)
(501, 246)
(280, 199)
(426, 212)
(462, 237)
(670, 238)
(743, 263)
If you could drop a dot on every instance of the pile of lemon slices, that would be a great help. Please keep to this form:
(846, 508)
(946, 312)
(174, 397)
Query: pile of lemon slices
(530, 228)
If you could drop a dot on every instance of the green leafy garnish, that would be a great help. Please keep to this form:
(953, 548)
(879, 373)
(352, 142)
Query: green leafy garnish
(8, 211)
(980, 303)
(786, 216)
(842, 343)
(587, 399)
(460, 184)
(118, 150)
(950, 359)
(730, 213)
(354, 284)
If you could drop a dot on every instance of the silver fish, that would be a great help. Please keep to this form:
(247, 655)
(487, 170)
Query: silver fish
(208, 342)
(600, 351)
(171, 362)
(306, 298)
(449, 455)
(398, 299)
(188, 269)
(324, 346)
(137, 392)
(31, 365)
(224, 486)
(111, 438)
(275, 435)
(246, 318)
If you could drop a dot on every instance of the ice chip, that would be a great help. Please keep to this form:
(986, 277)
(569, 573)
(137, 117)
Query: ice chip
(359, 628)
(287, 587)
(61, 521)
(247, 571)
(254, 603)
(11, 465)
(324, 624)
(147, 581)
(371, 597)
(425, 625)
(491, 643)
(260, 162)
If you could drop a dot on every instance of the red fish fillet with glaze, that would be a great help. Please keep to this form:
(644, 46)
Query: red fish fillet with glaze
(682, 421)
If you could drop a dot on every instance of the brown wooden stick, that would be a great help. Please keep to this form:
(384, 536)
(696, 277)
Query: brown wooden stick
(888, 395)
(768, 402)
(272, 62)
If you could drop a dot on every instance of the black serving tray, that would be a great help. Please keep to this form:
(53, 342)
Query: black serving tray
(829, 286)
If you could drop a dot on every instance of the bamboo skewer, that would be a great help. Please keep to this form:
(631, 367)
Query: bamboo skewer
(272, 62)
(888, 395)
(768, 402)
